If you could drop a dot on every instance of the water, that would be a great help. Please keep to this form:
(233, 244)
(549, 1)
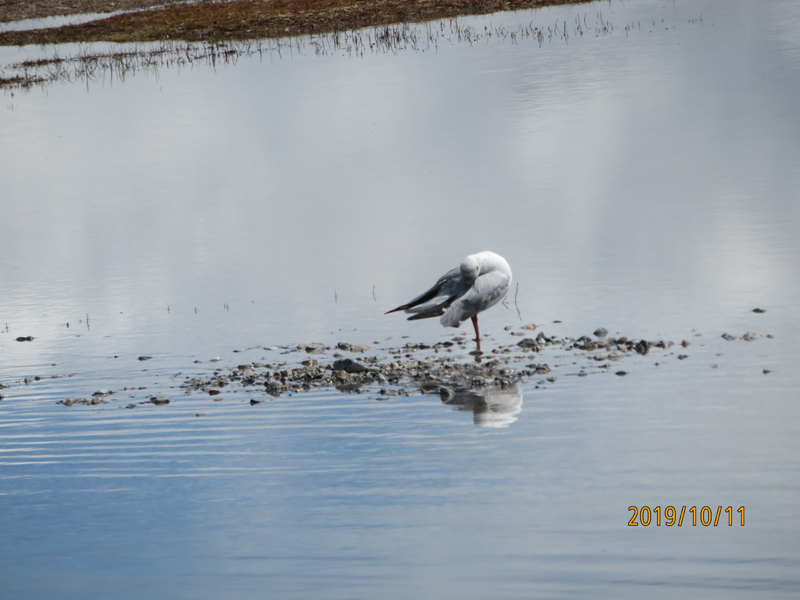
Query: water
(642, 182)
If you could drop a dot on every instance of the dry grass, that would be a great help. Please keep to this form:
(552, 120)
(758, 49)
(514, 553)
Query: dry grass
(119, 62)
(240, 19)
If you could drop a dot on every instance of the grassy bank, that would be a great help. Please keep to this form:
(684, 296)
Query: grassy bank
(235, 20)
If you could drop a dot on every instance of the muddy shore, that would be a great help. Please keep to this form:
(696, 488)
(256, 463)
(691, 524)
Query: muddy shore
(159, 20)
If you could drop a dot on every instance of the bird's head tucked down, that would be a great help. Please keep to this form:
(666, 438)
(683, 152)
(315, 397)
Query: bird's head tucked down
(470, 268)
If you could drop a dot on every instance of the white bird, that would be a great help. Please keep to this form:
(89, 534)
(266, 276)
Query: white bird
(479, 283)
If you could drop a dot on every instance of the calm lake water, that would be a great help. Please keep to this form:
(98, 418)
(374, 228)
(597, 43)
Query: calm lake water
(642, 177)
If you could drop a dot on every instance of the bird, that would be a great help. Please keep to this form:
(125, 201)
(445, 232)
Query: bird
(481, 281)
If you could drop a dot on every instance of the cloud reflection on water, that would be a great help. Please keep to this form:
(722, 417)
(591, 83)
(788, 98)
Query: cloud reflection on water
(288, 188)
(644, 183)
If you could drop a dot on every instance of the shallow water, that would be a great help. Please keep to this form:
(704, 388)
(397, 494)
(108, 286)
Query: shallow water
(641, 180)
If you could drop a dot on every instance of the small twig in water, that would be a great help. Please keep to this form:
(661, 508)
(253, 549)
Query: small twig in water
(373, 294)
(515, 302)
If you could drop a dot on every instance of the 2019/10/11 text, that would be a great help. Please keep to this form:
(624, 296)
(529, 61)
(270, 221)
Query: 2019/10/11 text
(705, 515)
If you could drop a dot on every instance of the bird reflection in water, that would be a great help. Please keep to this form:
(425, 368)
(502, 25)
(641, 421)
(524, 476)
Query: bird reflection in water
(492, 406)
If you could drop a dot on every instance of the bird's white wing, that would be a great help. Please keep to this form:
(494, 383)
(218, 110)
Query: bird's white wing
(487, 291)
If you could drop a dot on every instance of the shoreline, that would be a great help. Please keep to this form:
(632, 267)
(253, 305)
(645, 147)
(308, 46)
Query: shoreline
(175, 20)
(450, 368)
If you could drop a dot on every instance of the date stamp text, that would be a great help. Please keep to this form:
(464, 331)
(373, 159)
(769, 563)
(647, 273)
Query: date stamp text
(706, 516)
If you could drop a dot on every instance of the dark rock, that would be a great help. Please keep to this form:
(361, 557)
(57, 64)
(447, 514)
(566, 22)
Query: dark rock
(528, 343)
(274, 388)
(601, 332)
(28, 338)
(145, 357)
(759, 310)
(348, 365)
(159, 400)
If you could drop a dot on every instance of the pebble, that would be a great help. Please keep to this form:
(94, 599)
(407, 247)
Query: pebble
(443, 368)
(750, 336)
(27, 338)
(145, 357)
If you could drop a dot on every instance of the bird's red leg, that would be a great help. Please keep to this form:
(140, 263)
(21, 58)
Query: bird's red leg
(477, 334)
